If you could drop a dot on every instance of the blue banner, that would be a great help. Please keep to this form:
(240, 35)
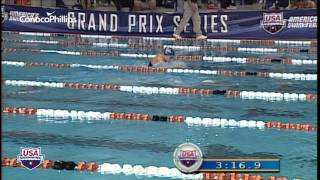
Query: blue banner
(288, 24)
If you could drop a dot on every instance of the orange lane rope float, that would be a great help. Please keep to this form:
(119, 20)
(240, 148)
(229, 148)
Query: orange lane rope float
(149, 70)
(179, 57)
(224, 41)
(151, 46)
(197, 121)
(137, 170)
(266, 96)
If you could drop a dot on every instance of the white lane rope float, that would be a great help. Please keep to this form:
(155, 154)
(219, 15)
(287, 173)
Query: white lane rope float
(259, 95)
(136, 170)
(211, 59)
(190, 121)
(142, 69)
(150, 46)
(228, 41)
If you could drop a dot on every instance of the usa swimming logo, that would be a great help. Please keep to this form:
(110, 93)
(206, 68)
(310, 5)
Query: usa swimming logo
(30, 158)
(273, 22)
(187, 157)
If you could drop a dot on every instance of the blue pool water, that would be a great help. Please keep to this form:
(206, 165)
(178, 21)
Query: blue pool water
(152, 143)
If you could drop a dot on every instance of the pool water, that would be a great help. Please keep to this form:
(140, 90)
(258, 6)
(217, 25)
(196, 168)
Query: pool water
(152, 143)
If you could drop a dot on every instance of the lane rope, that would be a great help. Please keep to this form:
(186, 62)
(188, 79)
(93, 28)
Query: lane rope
(228, 41)
(266, 96)
(205, 175)
(150, 46)
(210, 59)
(142, 69)
(190, 121)
(136, 170)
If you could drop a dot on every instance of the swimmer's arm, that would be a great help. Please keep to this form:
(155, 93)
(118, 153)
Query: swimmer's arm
(156, 57)
(159, 58)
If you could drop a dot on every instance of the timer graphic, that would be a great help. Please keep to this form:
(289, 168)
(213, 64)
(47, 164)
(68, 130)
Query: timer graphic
(243, 165)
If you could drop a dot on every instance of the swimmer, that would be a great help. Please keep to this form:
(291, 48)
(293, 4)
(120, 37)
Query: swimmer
(168, 54)
(166, 60)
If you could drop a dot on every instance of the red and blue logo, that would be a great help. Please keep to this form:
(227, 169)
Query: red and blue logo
(273, 22)
(187, 157)
(30, 158)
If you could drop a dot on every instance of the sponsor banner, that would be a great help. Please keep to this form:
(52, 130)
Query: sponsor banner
(288, 24)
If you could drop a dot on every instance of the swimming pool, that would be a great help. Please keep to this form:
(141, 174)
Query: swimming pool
(152, 143)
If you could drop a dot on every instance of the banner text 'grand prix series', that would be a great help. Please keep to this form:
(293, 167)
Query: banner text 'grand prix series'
(289, 24)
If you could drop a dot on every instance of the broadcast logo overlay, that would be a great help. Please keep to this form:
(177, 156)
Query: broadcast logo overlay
(188, 159)
(30, 158)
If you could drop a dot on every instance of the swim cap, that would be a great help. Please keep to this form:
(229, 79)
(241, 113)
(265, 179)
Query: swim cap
(168, 51)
